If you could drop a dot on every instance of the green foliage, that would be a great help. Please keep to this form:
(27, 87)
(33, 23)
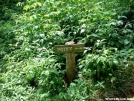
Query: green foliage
(29, 29)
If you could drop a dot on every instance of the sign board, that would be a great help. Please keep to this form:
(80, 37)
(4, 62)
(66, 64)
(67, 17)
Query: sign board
(69, 48)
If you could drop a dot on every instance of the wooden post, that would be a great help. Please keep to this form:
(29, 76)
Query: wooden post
(70, 65)
(70, 48)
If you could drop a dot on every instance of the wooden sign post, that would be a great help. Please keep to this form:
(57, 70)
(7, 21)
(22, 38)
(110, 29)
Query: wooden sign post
(70, 48)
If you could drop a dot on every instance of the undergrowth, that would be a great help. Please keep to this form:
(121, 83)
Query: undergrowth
(30, 70)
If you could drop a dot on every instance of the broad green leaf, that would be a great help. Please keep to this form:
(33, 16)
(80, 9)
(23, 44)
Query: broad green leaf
(115, 62)
(126, 42)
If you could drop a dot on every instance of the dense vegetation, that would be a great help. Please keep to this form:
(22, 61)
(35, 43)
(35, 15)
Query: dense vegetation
(31, 71)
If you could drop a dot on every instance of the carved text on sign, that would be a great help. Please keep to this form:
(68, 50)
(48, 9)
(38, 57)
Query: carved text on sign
(69, 48)
(64, 49)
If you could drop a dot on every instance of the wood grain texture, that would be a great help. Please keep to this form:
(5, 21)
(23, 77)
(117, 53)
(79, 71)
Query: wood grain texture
(69, 49)
(70, 65)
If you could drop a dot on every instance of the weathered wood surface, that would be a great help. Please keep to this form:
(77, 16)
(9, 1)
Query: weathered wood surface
(70, 64)
(70, 48)
(70, 67)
